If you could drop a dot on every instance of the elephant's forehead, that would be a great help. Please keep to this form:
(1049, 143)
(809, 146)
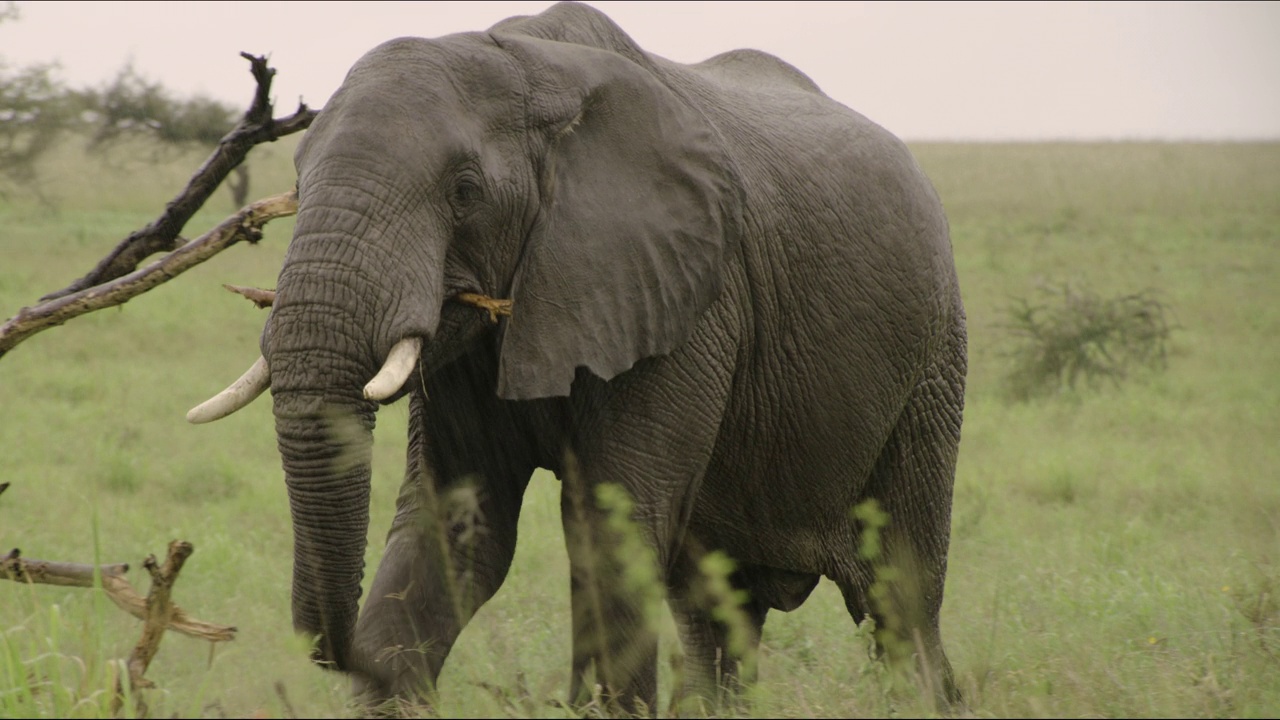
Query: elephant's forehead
(458, 80)
(419, 98)
(465, 65)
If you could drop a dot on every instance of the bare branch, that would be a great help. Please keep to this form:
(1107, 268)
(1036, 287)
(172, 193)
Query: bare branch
(117, 587)
(244, 225)
(256, 127)
(14, 567)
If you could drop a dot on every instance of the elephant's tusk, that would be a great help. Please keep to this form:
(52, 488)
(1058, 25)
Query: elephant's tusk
(395, 371)
(241, 392)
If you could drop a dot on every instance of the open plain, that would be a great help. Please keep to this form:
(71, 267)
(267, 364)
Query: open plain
(1115, 548)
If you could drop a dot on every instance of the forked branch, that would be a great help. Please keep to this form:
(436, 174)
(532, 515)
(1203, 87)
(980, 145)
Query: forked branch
(255, 127)
(159, 613)
(40, 572)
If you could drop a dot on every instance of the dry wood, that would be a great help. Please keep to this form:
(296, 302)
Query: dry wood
(261, 298)
(264, 298)
(115, 279)
(159, 613)
(484, 302)
(244, 225)
(41, 572)
(255, 127)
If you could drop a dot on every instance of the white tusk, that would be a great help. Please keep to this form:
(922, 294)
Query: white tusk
(395, 371)
(241, 392)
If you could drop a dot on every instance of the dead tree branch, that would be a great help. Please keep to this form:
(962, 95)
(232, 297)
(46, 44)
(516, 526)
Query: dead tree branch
(256, 127)
(40, 572)
(244, 225)
(159, 614)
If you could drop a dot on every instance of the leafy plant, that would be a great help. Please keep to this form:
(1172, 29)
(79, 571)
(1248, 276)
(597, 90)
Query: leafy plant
(1072, 335)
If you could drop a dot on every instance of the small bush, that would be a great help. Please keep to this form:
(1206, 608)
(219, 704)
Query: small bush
(1076, 334)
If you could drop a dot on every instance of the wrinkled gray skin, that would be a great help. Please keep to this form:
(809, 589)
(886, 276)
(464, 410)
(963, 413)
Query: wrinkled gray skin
(733, 296)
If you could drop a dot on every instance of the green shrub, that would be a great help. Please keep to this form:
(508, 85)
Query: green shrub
(1073, 335)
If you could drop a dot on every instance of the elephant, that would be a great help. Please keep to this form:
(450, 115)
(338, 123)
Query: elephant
(730, 295)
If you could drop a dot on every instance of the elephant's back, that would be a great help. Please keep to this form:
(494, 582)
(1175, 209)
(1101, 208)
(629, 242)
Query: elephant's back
(845, 236)
(754, 68)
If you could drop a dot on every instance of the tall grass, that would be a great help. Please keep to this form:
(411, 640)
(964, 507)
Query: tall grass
(1113, 554)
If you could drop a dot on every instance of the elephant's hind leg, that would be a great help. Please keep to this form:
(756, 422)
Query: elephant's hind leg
(901, 587)
(720, 657)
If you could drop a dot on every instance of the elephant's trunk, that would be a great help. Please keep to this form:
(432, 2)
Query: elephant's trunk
(351, 289)
(326, 457)
(318, 349)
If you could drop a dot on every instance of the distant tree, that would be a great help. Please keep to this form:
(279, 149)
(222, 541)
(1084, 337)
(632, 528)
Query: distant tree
(34, 110)
(134, 106)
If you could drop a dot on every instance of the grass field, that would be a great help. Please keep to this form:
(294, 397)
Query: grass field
(1115, 552)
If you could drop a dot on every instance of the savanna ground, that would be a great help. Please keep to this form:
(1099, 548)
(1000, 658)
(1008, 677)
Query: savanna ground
(1115, 552)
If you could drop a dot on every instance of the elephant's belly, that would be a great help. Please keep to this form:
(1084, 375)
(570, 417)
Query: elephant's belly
(782, 484)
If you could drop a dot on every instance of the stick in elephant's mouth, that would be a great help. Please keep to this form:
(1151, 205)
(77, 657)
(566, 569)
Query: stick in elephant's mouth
(495, 307)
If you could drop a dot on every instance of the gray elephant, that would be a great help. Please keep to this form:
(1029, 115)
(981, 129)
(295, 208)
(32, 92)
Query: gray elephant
(731, 296)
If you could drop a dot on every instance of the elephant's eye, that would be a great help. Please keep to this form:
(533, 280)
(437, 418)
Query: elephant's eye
(466, 193)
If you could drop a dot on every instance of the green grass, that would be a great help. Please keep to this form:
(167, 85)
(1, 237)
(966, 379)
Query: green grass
(1116, 551)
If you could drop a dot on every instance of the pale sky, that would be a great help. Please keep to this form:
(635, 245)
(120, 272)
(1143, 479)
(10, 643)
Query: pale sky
(926, 71)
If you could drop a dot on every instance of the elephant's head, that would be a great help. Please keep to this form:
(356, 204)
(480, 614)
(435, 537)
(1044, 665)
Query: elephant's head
(568, 178)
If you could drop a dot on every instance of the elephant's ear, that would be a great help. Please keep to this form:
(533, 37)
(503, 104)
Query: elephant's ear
(637, 204)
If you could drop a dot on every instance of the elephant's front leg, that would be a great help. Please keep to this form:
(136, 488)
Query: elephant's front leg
(613, 589)
(448, 552)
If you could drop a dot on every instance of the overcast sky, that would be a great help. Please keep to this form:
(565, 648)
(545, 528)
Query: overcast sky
(926, 71)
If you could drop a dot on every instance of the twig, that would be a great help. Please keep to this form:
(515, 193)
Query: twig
(484, 302)
(244, 225)
(41, 572)
(265, 298)
(256, 127)
(261, 298)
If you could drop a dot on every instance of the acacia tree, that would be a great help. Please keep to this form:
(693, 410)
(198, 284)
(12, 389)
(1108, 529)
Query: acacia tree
(35, 109)
(134, 106)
